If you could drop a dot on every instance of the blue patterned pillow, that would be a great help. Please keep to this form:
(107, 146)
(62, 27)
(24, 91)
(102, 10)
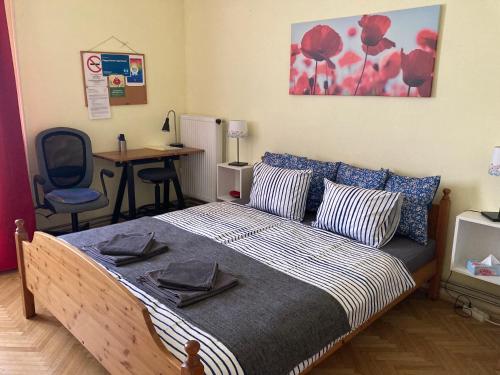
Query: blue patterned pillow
(361, 177)
(286, 161)
(321, 170)
(418, 195)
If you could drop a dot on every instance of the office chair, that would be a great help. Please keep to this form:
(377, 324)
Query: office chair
(66, 170)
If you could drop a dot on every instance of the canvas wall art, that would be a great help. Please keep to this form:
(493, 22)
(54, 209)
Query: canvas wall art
(382, 54)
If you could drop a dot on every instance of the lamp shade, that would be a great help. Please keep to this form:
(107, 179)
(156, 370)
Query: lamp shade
(237, 129)
(166, 125)
(495, 162)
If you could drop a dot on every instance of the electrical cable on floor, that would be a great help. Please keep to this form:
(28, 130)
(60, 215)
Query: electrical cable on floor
(459, 308)
(463, 304)
(492, 322)
(461, 300)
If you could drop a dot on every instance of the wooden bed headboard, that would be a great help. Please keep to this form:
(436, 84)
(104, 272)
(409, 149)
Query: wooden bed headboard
(439, 217)
(440, 209)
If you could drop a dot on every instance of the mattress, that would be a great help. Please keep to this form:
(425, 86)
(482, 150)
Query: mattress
(412, 254)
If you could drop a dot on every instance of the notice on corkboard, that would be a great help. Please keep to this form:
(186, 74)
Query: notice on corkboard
(123, 75)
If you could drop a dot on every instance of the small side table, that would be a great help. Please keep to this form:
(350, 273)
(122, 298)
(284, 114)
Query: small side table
(476, 237)
(233, 178)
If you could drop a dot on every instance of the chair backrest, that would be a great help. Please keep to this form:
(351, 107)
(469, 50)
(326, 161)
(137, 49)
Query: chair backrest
(64, 158)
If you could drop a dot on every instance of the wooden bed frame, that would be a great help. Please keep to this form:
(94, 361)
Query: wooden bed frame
(116, 327)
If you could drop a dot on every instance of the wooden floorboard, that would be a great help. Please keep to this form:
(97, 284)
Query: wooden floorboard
(417, 337)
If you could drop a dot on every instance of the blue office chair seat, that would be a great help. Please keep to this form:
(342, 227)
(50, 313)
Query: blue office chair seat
(73, 196)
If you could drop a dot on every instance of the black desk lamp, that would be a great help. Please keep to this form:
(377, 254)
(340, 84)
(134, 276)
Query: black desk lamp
(494, 171)
(166, 128)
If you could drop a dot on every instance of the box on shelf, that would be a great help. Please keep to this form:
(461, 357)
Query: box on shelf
(477, 268)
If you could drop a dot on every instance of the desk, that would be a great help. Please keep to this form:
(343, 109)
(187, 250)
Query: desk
(127, 160)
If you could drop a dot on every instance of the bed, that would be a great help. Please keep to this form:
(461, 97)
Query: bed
(130, 331)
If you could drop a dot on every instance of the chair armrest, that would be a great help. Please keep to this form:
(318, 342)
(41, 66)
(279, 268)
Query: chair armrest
(38, 180)
(107, 173)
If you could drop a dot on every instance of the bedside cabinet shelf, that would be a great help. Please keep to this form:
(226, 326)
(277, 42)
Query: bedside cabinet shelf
(233, 178)
(476, 237)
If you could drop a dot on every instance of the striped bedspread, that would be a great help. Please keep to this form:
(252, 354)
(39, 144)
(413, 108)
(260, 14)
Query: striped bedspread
(364, 280)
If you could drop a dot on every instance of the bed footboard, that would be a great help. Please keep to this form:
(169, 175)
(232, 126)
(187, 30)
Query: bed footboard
(100, 312)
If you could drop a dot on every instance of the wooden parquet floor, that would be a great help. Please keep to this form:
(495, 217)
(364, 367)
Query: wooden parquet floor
(415, 338)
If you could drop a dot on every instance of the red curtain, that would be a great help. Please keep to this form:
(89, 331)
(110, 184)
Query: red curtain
(15, 193)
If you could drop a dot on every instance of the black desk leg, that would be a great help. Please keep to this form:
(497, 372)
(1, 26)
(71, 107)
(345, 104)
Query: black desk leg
(166, 187)
(131, 191)
(166, 195)
(177, 186)
(119, 197)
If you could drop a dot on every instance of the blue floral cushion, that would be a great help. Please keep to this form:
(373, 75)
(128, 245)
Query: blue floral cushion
(286, 161)
(321, 170)
(73, 196)
(361, 177)
(418, 195)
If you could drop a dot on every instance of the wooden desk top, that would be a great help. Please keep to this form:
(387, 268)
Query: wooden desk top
(145, 153)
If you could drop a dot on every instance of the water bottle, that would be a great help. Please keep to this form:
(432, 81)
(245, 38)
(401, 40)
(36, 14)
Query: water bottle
(122, 144)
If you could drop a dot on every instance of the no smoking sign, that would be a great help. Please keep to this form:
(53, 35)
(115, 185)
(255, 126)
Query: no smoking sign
(94, 64)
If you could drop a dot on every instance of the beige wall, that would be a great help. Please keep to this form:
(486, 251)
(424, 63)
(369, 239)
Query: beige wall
(237, 64)
(50, 35)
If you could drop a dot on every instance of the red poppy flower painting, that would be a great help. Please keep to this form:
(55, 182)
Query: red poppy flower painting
(382, 54)
(417, 67)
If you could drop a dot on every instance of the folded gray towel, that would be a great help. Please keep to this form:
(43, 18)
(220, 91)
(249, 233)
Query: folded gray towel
(126, 244)
(223, 282)
(189, 275)
(157, 248)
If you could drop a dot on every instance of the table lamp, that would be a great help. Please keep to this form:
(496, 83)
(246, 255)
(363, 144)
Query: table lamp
(494, 171)
(166, 128)
(237, 129)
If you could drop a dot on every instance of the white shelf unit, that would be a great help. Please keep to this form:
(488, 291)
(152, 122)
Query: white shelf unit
(233, 178)
(476, 237)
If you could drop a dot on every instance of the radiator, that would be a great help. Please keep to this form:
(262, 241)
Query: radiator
(199, 172)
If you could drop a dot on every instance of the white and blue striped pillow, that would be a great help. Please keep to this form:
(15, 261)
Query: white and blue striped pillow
(368, 216)
(280, 191)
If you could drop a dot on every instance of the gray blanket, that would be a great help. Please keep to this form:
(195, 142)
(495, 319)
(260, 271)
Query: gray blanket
(270, 321)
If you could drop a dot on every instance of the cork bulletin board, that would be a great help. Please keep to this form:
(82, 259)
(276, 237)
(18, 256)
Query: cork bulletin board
(124, 75)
